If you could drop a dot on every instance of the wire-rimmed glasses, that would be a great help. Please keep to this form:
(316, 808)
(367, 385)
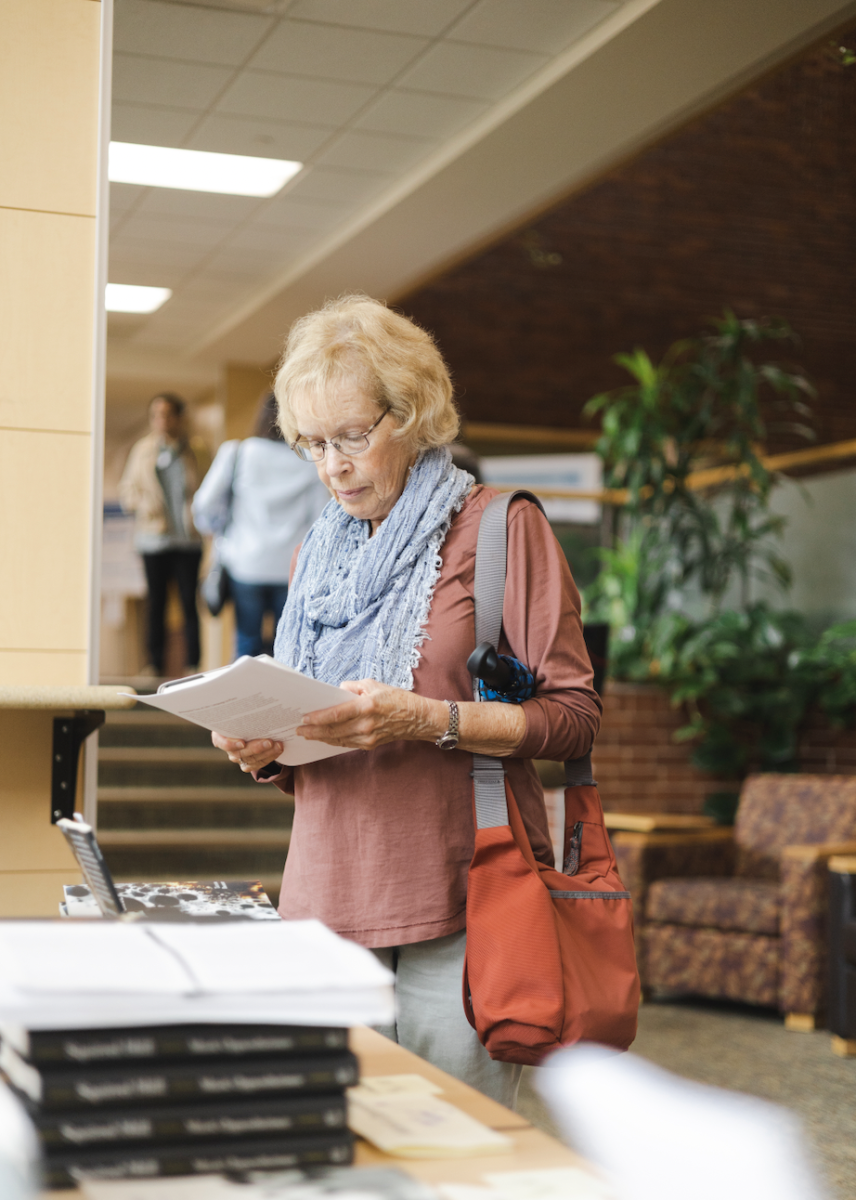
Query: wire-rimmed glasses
(348, 444)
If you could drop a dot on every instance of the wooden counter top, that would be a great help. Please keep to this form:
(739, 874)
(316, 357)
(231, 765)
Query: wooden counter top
(61, 698)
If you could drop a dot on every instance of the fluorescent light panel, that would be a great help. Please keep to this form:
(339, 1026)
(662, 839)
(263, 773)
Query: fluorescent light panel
(199, 170)
(131, 298)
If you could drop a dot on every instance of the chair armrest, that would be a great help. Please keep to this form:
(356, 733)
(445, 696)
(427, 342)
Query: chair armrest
(817, 852)
(805, 906)
(644, 857)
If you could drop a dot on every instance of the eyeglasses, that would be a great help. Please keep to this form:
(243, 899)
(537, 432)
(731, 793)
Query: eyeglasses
(349, 444)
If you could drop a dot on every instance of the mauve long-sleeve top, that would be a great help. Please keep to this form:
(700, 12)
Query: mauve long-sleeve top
(383, 838)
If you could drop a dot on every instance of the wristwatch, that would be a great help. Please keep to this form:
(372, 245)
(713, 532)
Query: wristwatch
(449, 740)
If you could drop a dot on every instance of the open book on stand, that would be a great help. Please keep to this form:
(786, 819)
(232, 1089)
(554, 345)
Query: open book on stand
(254, 698)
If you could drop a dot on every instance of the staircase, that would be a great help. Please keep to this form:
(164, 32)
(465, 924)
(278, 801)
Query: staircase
(171, 807)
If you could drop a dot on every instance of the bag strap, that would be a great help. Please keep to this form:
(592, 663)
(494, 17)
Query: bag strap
(489, 596)
(230, 495)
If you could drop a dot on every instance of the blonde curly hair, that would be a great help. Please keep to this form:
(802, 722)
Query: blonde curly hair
(359, 340)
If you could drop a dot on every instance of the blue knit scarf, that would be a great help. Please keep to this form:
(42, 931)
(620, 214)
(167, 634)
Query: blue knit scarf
(357, 606)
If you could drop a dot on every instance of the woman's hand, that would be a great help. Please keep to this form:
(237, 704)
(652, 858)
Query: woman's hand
(377, 714)
(251, 755)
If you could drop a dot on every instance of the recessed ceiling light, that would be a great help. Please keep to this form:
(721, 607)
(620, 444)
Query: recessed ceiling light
(130, 298)
(199, 170)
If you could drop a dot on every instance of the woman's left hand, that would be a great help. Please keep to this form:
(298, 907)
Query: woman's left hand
(377, 714)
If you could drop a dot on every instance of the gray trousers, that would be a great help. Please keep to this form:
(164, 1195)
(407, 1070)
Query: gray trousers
(430, 1018)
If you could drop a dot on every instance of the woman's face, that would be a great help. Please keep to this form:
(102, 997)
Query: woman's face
(369, 485)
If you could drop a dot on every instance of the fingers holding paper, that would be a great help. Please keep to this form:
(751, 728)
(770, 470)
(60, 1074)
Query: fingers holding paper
(377, 714)
(250, 755)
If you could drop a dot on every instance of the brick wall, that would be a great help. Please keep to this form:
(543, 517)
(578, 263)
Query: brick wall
(637, 764)
(640, 768)
(751, 205)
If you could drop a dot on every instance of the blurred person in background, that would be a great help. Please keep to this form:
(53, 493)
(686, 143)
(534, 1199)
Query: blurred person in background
(157, 486)
(260, 499)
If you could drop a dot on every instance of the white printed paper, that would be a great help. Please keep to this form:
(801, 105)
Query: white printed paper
(254, 698)
(419, 1125)
(386, 1085)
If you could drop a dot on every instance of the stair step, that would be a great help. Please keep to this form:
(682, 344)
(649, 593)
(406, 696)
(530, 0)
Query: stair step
(197, 814)
(163, 754)
(263, 839)
(166, 773)
(190, 795)
(151, 734)
(194, 861)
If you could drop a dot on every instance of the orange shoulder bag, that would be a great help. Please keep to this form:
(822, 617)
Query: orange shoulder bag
(550, 958)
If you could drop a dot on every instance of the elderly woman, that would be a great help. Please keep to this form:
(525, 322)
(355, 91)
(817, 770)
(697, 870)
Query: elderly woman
(381, 603)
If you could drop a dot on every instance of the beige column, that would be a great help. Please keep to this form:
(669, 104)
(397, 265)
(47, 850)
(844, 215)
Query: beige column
(242, 388)
(49, 148)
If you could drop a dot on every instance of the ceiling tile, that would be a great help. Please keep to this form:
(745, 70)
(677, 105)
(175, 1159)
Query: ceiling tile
(376, 151)
(193, 34)
(326, 51)
(145, 227)
(159, 81)
(145, 251)
(216, 287)
(547, 26)
(483, 72)
(285, 98)
(266, 139)
(296, 212)
(203, 206)
(338, 185)
(124, 196)
(395, 16)
(129, 265)
(242, 263)
(165, 335)
(420, 114)
(282, 243)
(150, 126)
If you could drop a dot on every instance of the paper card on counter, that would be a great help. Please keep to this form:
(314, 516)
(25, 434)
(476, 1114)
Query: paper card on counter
(195, 1187)
(386, 1085)
(552, 1183)
(420, 1125)
(254, 698)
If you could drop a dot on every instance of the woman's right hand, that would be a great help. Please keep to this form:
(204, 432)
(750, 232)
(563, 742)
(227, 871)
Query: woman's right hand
(251, 755)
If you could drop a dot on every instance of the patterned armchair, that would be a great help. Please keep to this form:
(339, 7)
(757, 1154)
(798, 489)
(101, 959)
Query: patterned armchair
(741, 914)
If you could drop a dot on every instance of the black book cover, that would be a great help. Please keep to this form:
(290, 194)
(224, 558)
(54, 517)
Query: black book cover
(68, 1168)
(53, 1089)
(293, 1116)
(70, 1047)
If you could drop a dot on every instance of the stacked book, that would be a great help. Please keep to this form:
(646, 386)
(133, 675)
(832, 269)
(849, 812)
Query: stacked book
(182, 1099)
(144, 1050)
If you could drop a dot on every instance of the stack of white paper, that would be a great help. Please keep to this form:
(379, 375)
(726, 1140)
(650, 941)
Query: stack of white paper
(111, 973)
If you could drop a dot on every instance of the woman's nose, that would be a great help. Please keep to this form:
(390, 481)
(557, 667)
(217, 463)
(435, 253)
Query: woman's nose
(335, 462)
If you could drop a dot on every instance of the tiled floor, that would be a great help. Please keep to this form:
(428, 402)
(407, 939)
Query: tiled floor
(748, 1050)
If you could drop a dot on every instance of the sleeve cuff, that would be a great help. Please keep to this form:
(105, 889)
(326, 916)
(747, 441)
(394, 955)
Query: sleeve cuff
(536, 730)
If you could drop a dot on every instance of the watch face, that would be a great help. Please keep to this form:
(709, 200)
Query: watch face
(447, 742)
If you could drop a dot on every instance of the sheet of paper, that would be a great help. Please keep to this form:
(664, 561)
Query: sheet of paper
(195, 1187)
(91, 974)
(105, 957)
(288, 956)
(254, 698)
(419, 1125)
(552, 1183)
(386, 1085)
